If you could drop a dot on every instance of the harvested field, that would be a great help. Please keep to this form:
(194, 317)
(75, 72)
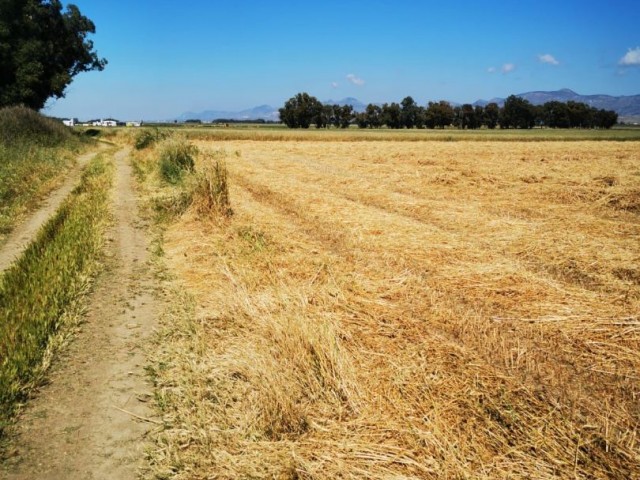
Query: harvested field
(407, 310)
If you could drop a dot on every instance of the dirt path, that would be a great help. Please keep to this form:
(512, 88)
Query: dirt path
(26, 231)
(87, 422)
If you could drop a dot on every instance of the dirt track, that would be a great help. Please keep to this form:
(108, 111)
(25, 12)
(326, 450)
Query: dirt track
(90, 421)
(25, 232)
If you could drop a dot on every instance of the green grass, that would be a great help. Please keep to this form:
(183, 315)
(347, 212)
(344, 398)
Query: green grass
(34, 153)
(176, 159)
(38, 289)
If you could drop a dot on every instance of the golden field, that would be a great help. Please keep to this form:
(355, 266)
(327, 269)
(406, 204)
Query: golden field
(406, 310)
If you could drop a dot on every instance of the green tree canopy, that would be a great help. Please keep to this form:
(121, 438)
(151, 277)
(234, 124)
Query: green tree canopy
(41, 49)
(517, 113)
(301, 111)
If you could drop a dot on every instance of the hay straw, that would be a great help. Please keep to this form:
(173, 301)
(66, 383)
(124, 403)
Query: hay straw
(422, 310)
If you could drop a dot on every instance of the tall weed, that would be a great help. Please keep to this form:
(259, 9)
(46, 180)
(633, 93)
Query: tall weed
(210, 192)
(176, 159)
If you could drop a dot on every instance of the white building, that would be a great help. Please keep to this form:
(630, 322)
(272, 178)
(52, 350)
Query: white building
(105, 123)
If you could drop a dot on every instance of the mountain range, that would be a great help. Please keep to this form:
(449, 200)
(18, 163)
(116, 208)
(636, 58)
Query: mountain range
(627, 107)
(262, 112)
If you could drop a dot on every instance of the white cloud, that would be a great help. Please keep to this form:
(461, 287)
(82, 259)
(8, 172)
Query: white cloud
(508, 68)
(548, 58)
(491, 70)
(632, 57)
(355, 80)
(334, 84)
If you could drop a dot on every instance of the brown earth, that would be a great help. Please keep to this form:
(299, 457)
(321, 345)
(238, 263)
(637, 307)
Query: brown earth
(91, 419)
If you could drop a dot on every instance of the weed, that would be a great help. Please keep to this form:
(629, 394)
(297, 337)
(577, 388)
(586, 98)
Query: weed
(211, 189)
(176, 158)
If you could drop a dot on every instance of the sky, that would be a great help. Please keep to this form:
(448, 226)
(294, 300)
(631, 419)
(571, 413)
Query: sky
(168, 57)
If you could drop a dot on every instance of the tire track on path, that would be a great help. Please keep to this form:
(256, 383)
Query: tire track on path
(91, 420)
(24, 233)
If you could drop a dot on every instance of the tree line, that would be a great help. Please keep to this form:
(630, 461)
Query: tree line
(304, 110)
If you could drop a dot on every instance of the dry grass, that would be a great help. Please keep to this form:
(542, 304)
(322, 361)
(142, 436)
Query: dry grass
(408, 310)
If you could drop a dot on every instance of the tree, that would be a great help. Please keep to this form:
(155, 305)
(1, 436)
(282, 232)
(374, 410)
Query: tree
(392, 115)
(467, 116)
(491, 115)
(439, 114)
(301, 111)
(517, 113)
(556, 114)
(373, 115)
(412, 115)
(580, 114)
(605, 118)
(344, 115)
(41, 50)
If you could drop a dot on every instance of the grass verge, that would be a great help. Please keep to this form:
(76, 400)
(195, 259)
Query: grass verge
(35, 152)
(40, 287)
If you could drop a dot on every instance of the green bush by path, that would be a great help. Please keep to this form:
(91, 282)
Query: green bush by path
(176, 158)
(36, 291)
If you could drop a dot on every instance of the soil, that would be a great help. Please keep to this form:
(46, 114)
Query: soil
(91, 419)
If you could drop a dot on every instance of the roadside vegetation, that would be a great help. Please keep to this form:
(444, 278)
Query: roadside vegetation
(167, 165)
(403, 310)
(35, 153)
(38, 292)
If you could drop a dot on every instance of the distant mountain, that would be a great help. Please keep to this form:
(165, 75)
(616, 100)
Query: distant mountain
(625, 106)
(357, 105)
(262, 112)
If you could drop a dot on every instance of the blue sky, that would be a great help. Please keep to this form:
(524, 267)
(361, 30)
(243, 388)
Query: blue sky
(169, 57)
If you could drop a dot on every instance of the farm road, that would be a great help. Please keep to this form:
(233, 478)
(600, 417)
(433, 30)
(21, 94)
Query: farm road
(24, 233)
(90, 421)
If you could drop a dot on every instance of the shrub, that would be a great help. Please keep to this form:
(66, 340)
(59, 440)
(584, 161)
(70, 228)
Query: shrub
(176, 158)
(147, 137)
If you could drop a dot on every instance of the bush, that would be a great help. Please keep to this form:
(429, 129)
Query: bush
(147, 137)
(176, 158)
(22, 125)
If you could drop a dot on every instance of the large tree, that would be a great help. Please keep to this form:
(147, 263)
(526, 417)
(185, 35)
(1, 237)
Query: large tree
(41, 49)
(517, 113)
(301, 111)
(440, 114)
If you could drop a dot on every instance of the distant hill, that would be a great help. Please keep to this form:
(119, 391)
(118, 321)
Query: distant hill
(357, 105)
(262, 112)
(624, 106)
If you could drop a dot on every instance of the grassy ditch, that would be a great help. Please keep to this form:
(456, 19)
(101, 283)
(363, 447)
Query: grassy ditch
(38, 289)
(35, 152)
